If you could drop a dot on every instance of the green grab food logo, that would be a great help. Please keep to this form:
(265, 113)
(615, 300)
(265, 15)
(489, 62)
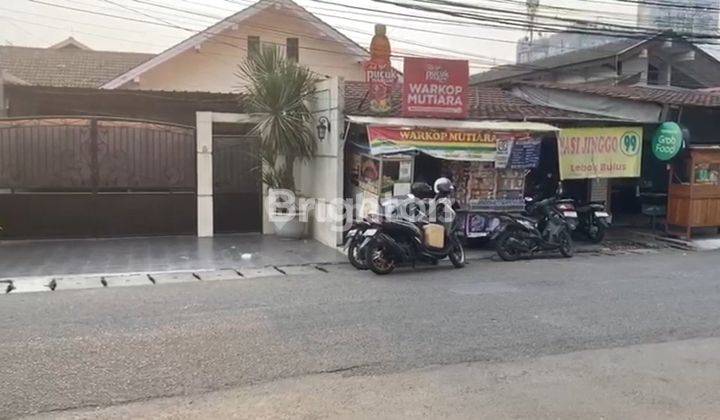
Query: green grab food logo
(630, 143)
(668, 141)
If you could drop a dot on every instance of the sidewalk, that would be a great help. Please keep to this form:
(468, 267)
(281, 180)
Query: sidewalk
(157, 254)
(667, 380)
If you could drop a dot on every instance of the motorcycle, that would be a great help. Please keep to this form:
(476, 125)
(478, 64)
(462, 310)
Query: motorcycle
(566, 206)
(545, 230)
(405, 206)
(398, 241)
(594, 220)
(354, 239)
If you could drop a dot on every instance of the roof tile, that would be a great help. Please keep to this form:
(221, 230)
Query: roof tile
(657, 94)
(486, 103)
(68, 67)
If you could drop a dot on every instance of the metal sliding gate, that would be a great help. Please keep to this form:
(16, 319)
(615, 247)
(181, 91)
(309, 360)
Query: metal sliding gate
(96, 177)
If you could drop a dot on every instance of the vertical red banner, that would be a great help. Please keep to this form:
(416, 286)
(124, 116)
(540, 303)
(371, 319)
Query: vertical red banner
(381, 78)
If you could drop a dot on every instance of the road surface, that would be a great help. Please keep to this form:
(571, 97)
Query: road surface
(96, 348)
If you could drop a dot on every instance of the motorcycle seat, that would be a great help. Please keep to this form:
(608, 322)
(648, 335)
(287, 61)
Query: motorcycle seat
(591, 207)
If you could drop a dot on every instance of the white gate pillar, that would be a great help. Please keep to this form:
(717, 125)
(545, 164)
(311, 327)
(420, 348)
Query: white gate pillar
(204, 132)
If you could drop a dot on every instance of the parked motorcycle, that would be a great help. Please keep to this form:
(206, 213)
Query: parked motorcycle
(405, 207)
(566, 206)
(396, 241)
(594, 220)
(545, 230)
(353, 241)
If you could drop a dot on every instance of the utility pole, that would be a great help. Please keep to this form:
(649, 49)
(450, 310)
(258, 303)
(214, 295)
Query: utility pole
(532, 8)
(3, 110)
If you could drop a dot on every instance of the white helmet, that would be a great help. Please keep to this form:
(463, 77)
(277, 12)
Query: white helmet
(444, 186)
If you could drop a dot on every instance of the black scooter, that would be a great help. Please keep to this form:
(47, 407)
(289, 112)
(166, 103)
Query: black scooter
(396, 207)
(396, 242)
(545, 230)
(593, 220)
(354, 240)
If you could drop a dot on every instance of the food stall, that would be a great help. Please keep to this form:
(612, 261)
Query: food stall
(487, 161)
(694, 191)
(375, 177)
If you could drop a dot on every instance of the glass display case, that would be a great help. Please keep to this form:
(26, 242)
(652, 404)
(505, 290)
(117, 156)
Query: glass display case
(375, 177)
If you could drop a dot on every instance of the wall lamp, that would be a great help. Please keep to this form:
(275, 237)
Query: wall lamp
(323, 127)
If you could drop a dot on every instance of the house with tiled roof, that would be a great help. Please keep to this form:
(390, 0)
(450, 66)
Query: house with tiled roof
(664, 59)
(695, 109)
(207, 61)
(68, 63)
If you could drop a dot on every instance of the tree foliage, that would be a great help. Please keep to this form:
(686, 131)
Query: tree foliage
(280, 90)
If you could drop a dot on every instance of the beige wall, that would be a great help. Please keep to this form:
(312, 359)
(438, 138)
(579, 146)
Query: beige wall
(213, 67)
(322, 177)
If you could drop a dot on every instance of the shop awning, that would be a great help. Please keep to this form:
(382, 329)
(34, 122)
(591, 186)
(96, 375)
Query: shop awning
(480, 141)
(454, 124)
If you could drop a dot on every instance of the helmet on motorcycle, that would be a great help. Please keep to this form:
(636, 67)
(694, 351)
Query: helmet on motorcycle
(443, 186)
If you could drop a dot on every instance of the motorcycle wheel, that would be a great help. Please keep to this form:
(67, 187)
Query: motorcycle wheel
(596, 233)
(506, 252)
(566, 244)
(354, 257)
(377, 259)
(457, 256)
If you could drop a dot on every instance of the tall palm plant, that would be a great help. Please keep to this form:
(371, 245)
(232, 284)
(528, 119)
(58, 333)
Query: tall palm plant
(280, 90)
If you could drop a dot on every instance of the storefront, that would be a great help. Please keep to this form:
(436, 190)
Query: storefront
(602, 164)
(488, 161)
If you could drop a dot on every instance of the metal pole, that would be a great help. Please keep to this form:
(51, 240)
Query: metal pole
(3, 110)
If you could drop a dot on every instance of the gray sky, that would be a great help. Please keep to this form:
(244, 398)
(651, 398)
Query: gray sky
(30, 24)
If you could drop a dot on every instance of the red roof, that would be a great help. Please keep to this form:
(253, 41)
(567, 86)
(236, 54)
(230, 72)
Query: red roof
(486, 103)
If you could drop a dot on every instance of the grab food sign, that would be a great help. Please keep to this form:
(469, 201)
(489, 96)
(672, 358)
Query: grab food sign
(435, 88)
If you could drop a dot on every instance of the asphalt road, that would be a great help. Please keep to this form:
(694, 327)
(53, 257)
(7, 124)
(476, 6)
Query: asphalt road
(63, 350)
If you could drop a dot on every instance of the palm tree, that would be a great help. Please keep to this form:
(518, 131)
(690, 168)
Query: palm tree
(280, 90)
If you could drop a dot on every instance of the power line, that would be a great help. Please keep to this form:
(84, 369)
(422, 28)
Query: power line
(484, 59)
(196, 31)
(521, 23)
(274, 29)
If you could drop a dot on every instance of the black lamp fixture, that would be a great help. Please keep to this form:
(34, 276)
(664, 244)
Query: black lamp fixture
(323, 127)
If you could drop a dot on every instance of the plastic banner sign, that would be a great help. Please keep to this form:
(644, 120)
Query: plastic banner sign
(463, 145)
(381, 78)
(435, 88)
(525, 154)
(613, 152)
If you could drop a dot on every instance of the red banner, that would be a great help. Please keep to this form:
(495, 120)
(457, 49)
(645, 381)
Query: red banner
(435, 88)
(381, 78)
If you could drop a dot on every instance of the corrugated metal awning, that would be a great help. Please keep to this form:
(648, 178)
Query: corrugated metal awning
(453, 124)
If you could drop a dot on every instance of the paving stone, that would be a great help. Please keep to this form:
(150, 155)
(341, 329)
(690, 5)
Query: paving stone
(219, 275)
(124, 281)
(251, 273)
(300, 270)
(169, 278)
(335, 268)
(76, 283)
(31, 284)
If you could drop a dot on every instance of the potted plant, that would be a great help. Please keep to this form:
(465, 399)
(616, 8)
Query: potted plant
(280, 91)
